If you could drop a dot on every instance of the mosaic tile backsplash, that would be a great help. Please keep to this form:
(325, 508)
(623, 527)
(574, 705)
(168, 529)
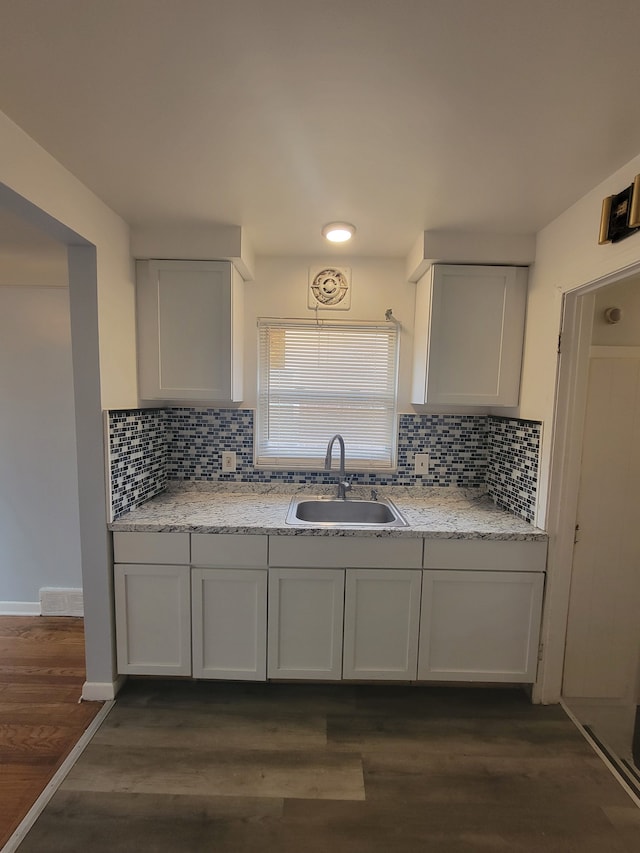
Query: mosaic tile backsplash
(187, 443)
(512, 472)
(137, 456)
(197, 437)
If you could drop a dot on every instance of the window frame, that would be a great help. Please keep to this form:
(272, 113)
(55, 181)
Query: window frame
(387, 395)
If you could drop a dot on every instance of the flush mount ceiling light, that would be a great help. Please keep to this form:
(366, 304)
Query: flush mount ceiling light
(338, 232)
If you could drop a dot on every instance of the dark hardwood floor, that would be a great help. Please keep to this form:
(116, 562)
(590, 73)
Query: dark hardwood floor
(41, 675)
(206, 767)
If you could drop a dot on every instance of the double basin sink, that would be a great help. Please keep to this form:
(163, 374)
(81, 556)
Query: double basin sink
(335, 512)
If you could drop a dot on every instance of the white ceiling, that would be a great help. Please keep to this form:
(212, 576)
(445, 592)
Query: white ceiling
(280, 115)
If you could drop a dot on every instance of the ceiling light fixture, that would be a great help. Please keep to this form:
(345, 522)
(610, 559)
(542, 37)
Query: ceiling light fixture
(338, 232)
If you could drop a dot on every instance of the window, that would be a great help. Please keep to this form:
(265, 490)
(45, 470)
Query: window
(317, 378)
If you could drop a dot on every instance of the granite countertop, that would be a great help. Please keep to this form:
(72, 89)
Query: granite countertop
(442, 513)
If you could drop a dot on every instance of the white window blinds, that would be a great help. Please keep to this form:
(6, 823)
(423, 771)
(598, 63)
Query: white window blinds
(316, 379)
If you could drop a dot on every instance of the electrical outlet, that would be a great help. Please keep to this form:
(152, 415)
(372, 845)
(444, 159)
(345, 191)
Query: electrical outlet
(421, 464)
(228, 460)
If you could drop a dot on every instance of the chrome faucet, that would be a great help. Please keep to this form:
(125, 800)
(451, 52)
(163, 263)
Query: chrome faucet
(344, 485)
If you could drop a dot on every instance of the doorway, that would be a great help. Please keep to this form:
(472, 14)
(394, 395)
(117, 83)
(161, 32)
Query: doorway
(601, 675)
(101, 681)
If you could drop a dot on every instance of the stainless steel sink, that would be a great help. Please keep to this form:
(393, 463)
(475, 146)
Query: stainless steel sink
(332, 512)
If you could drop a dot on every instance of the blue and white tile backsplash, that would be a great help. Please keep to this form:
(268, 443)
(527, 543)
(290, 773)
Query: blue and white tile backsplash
(512, 472)
(187, 443)
(137, 456)
(197, 437)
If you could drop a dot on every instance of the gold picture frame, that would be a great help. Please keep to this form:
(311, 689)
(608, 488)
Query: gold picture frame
(620, 217)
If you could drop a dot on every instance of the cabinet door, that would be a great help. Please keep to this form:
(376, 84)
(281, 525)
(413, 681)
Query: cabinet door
(469, 335)
(480, 626)
(153, 619)
(189, 335)
(229, 617)
(381, 619)
(305, 623)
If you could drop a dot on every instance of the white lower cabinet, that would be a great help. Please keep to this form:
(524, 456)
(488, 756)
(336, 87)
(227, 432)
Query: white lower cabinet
(305, 623)
(381, 623)
(254, 607)
(480, 626)
(229, 623)
(153, 619)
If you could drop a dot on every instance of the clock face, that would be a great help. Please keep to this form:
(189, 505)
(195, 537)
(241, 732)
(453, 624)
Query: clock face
(329, 286)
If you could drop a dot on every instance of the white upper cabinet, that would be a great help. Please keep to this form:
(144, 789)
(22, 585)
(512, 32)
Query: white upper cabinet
(469, 329)
(189, 317)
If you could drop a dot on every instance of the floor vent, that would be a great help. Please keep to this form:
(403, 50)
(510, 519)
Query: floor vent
(61, 602)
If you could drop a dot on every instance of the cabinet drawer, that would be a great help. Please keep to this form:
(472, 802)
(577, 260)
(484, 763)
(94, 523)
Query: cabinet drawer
(367, 552)
(228, 550)
(159, 548)
(498, 555)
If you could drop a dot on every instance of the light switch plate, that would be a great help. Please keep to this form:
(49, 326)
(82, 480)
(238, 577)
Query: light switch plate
(421, 463)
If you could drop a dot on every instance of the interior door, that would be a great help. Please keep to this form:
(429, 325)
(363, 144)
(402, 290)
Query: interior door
(603, 632)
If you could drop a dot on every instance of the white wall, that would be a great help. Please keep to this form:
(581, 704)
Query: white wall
(39, 523)
(567, 257)
(625, 296)
(31, 172)
(102, 302)
(280, 290)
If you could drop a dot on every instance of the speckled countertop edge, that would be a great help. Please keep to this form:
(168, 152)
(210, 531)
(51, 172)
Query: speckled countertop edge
(438, 513)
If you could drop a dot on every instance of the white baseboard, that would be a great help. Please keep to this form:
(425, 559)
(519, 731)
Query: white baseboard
(102, 691)
(59, 601)
(19, 608)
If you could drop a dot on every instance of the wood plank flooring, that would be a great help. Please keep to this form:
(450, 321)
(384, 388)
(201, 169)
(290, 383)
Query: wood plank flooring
(206, 767)
(42, 670)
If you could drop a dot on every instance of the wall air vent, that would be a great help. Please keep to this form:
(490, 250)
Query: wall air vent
(330, 287)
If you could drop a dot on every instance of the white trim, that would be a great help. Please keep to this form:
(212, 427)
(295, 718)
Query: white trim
(20, 608)
(102, 691)
(56, 780)
(564, 475)
(610, 767)
(107, 466)
(614, 352)
(571, 395)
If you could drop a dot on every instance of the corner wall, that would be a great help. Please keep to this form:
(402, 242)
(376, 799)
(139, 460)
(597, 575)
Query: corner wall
(567, 257)
(101, 285)
(28, 170)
